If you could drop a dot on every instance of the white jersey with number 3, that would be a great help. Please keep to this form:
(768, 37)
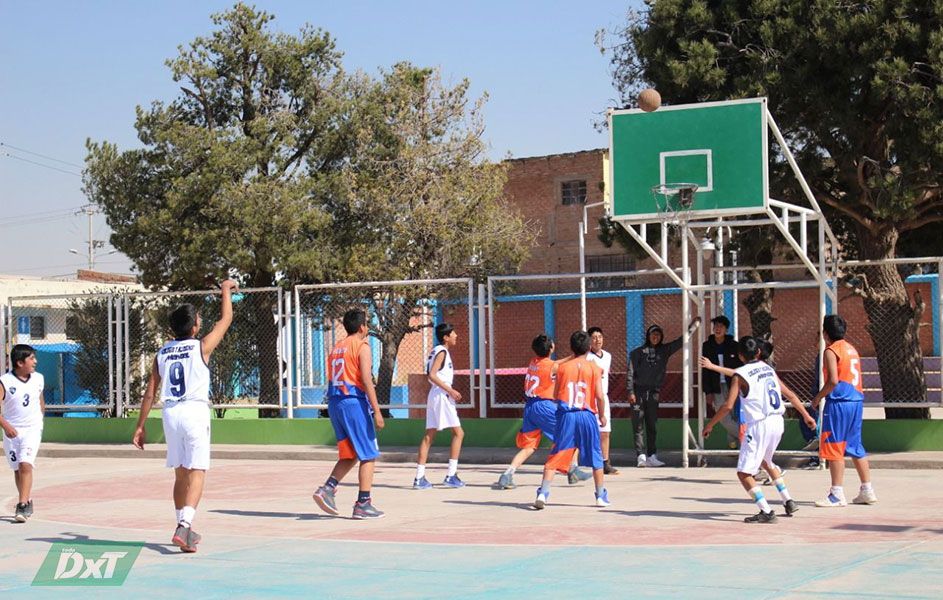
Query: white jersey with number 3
(183, 373)
(764, 396)
(21, 399)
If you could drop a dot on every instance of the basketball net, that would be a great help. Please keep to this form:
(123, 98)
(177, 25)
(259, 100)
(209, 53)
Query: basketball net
(674, 202)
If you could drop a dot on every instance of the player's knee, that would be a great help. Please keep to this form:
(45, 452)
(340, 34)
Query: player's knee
(25, 468)
(458, 432)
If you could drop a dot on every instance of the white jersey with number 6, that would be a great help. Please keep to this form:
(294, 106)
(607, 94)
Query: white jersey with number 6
(183, 373)
(764, 396)
(21, 400)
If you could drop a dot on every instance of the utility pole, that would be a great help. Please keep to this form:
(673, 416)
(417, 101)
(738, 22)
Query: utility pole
(93, 244)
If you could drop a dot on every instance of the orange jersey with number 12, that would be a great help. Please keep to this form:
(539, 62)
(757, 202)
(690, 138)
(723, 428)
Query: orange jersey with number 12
(539, 379)
(343, 366)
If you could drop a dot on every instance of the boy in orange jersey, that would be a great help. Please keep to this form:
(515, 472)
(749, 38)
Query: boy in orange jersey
(842, 414)
(581, 398)
(355, 415)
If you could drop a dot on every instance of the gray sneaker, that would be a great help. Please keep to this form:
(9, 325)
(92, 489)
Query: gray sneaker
(29, 509)
(20, 514)
(506, 481)
(324, 496)
(186, 538)
(575, 475)
(366, 510)
(791, 506)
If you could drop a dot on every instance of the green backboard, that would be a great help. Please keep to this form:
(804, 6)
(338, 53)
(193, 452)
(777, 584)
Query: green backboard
(720, 146)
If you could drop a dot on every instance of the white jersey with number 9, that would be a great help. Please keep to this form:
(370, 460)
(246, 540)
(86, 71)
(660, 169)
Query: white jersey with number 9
(183, 373)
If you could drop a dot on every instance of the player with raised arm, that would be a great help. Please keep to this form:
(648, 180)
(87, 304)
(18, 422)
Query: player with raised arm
(180, 377)
(441, 412)
(842, 415)
(21, 418)
(760, 392)
(579, 392)
(355, 416)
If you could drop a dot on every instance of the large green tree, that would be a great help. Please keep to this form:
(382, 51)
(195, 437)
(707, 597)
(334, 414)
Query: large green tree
(275, 166)
(856, 89)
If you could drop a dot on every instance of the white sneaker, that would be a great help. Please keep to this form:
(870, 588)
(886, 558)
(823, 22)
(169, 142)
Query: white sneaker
(541, 500)
(653, 461)
(642, 462)
(865, 497)
(831, 501)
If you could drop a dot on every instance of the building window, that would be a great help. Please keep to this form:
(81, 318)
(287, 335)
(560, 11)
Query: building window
(37, 328)
(573, 191)
(609, 263)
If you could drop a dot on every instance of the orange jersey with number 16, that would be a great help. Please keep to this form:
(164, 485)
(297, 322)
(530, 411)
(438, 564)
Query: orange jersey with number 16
(577, 379)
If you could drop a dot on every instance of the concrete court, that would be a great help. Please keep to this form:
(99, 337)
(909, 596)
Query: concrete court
(669, 533)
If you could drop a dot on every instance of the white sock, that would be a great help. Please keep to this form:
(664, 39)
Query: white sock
(760, 499)
(420, 471)
(453, 467)
(837, 491)
(866, 487)
(781, 488)
(179, 512)
(510, 470)
(187, 513)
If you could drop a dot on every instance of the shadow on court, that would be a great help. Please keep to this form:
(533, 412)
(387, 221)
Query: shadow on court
(78, 537)
(272, 515)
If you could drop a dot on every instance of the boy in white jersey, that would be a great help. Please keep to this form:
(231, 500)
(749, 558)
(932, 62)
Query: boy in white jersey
(21, 418)
(181, 377)
(761, 409)
(603, 360)
(440, 409)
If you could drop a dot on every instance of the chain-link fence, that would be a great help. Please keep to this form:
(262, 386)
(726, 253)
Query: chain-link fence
(401, 316)
(247, 369)
(622, 304)
(78, 345)
(893, 311)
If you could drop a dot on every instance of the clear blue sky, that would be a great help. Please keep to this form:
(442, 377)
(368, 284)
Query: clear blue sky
(76, 70)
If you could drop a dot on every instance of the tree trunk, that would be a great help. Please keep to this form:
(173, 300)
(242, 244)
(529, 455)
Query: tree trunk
(393, 316)
(893, 323)
(266, 340)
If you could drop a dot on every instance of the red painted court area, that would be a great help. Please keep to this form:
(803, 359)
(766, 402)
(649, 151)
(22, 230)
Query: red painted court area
(688, 523)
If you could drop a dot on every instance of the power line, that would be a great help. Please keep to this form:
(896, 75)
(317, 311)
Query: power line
(65, 162)
(31, 215)
(7, 154)
(36, 220)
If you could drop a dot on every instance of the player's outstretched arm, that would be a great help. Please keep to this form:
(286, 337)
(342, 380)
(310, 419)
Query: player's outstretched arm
(706, 363)
(212, 339)
(153, 383)
(366, 379)
(797, 404)
(726, 408)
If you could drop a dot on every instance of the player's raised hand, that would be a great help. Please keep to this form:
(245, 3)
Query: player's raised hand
(229, 285)
(138, 438)
(704, 362)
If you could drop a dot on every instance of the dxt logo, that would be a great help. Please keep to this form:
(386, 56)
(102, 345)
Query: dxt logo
(87, 564)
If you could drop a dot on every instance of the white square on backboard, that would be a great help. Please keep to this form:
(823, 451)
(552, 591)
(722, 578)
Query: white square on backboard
(710, 166)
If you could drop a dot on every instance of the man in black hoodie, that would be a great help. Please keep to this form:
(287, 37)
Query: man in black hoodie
(644, 378)
(721, 349)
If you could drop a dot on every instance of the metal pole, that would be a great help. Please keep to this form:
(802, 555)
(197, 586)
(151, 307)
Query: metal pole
(119, 347)
(127, 356)
(482, 395)
(470, 301)
(111, 360)
(491, 365)
(686, 349)
(280, 337)
(582, 279)
(939, 321)
(297, 353)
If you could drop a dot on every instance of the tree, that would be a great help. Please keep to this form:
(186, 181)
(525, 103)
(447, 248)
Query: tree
(419, 201)
(227, 179)
(855, 88)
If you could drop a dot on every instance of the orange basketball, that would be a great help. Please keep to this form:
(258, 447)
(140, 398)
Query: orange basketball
(649, 100)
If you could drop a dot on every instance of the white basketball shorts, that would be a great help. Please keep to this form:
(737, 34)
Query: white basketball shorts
(759, 443)
(187, 432)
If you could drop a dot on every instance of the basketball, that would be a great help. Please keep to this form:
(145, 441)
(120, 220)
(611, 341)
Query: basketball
(649, 100)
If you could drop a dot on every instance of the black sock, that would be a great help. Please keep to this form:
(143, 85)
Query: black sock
(331, 483)
(363, 496)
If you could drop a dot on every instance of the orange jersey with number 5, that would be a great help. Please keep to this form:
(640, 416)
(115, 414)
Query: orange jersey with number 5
(849, 385)
(539, 379)
(343, 366)
(577, 379)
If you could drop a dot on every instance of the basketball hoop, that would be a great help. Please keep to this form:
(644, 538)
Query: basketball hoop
(674, 201)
